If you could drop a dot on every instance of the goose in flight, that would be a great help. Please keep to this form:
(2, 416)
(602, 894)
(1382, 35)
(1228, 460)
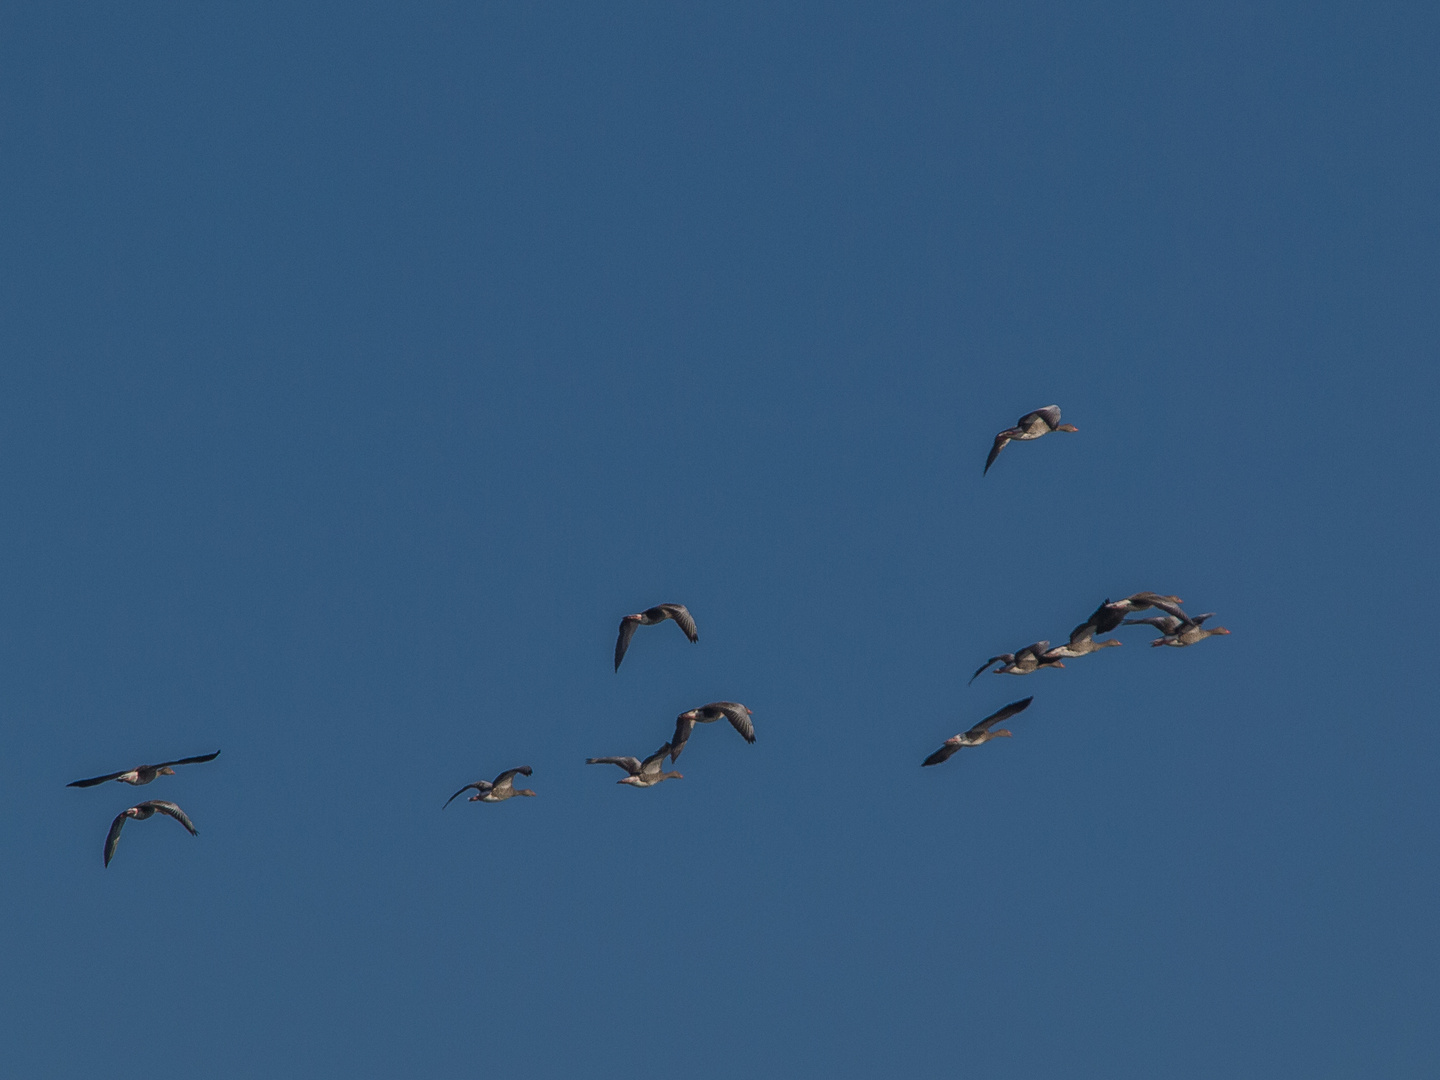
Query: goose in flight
(737, 714)
(642, 773)
(1030, 426)
(140, 813)
(1110, 614)
(1082, 642)
(1030, 658)
(980, 733)
(502, 788)
(1180, 631)
(649, 617)
(143, 774)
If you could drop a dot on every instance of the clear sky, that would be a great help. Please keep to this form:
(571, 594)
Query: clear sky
(361, 365)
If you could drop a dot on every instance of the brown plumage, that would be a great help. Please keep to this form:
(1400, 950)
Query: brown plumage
(1110, 614)
(140, 813)
(497, 790)
(1180, 631)
(1030, 658)
(980, 733)
(143, 774)
(1030, 426)
(643, 774)
(737, 714)
(649, 617)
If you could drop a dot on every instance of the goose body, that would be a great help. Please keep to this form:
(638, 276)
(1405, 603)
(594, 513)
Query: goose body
(1030, 426)
(737, 714)
(642, 774)
(1180, 631)
(140, 813)
(649, 617)
(497, 790)
(143, 774)
(1031, 658)
(981, 733)
(1082, 642)
(1110, 614)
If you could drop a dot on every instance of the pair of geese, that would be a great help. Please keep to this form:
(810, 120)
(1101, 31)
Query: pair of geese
(138, 777)
(650, 771)
(1176, 629)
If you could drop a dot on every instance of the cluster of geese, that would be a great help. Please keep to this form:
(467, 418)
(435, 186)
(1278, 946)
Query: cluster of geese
(1177, 629)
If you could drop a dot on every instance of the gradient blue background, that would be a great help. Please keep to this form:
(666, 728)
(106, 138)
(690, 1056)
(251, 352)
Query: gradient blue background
(361, 365)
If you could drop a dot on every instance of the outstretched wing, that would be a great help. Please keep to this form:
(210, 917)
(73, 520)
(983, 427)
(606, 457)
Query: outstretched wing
(656, 761)
(97, 779)
(681, 614)
(627, 631)
(739, 717)
(507, 778)
(1050, 414)
(1166, 624)
(1004, 714)
(629, 764)
(1009, 658)
(1000, 441)
(684, 725)
(174, 811)
(481, 786)
(943, 754)
(113, 837)
(187, 760)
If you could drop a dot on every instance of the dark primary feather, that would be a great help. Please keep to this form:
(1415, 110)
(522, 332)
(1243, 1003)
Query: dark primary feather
(629, 764)
(622, 643)
(681, 614)
(945, 753)
(1000, 441)
(173, 811)
(96, 779)
(1004, 714)
(1009, 658)
(481, 786)
(189, 760)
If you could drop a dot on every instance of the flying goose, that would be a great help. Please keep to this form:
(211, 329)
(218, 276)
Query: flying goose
(737, 714)
(143, 774)
(140, 813)
(1110, 614)
(501, 789)
(642, 773)
(1082, 641)
(1030, 426)
(1030, 658)
(649, 617)
(978, 734)
(1179, 632)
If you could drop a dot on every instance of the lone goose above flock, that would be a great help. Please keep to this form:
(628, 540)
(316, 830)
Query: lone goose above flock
(1030, 426)
(737, 714)
(649, 617)
(140, 813)
(1180, 631)
(501, 788)
(980, 733)
(643, 774)
(1030, 658)
(143, 774)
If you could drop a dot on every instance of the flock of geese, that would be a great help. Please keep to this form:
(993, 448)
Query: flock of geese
(1176, 629)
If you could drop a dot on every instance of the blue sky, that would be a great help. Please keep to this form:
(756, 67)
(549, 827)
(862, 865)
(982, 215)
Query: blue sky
(365, 363)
